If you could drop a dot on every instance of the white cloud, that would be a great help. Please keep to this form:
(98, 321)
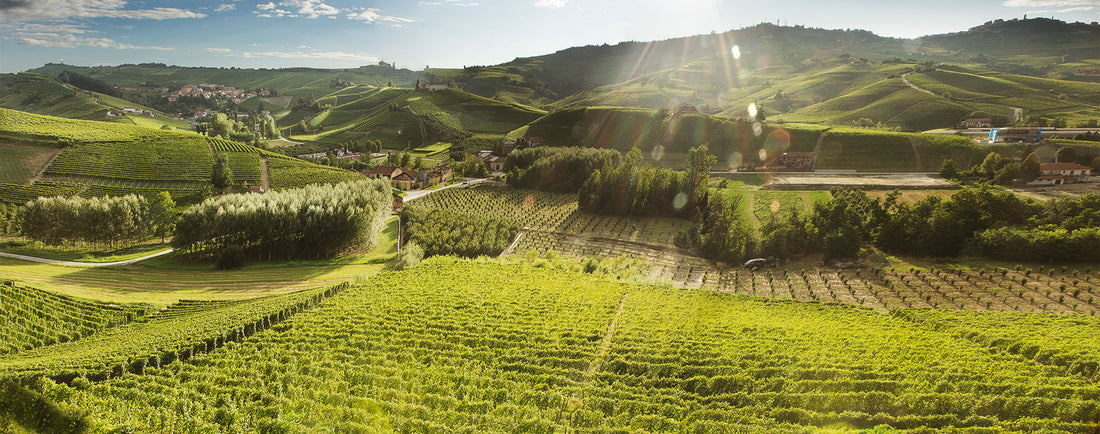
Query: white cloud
(55, 10)
(324, 55)
(73, 41)
(1076, 9)
(296, 8)
(1049, 3)
(220, 50)
(373, 15)
(551, 3)
(226, 7)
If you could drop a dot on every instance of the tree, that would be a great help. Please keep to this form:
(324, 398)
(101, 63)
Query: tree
(992, 163)
(1065, 155)
(1007, 174)
(1030, 168)
(222, 177)
(1095, 163)
(418, 163)
(948, 169)
(405, 159)
(162, 214)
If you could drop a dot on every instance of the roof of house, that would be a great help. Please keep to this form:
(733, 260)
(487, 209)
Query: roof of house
(405, 175)
(1063, 166)
(380, 170)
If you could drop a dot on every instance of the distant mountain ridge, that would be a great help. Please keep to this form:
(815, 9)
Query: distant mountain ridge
(793, 72)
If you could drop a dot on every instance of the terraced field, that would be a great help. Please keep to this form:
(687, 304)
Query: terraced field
(450, 345)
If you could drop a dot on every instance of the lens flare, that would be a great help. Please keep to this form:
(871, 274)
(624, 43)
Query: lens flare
(757, 129)
(736, 52)
(752, 110)
(680, 200)
(735, 160)
(657, 153)
(763, 154)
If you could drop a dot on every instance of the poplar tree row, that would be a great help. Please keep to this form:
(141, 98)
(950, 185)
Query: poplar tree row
(98, 220)
(314, 221)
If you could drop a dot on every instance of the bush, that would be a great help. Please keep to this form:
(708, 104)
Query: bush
(231, 257)
(409, 257)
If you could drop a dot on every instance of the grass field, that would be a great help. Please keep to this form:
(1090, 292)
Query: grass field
(451, 345)
(19, 163)
(164, 280)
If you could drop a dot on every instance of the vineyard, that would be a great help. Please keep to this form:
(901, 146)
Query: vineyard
(995, 289)
(293, 173)
(181, 196)
(19, 124)
(453, 346)
(20, 194)
(176, 333)
(173, 157)
(35, 318)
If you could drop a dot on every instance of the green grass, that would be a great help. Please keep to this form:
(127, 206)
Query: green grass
(430, 150)
(19, 163)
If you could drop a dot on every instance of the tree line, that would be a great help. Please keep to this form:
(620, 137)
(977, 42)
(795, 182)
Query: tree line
(973, 221)
(314, 221)
(99, 220)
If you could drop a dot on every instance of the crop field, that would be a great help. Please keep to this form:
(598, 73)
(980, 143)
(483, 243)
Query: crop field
(36, 318)
(985, 288)
(430, 150)
(19, 163)
(292, 173)
(556, 212)
(854, 149)
(20, 194)
(450, 345)
(183, 158)
(245, 166)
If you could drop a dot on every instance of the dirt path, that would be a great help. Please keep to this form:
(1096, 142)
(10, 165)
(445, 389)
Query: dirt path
(916, 153)
(423, 130)
(809, 207)
(751, 199)
(817, 147)
(905, 79)
(83, 264)
(265, 184)
(37, 176)
(576, 401)
(512, 247)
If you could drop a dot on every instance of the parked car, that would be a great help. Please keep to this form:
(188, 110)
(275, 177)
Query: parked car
(756, 264)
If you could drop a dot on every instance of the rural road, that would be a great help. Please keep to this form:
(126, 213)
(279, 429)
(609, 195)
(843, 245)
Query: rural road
(83, 264)
(906, 80)
(421, 193)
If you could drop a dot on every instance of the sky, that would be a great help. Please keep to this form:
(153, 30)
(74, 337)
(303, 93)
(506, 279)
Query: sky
(414, 34)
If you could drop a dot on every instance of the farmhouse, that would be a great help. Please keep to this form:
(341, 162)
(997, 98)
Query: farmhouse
(435, 175)
(1061, 173)
(535, 141)
(405, 179)
(495, 163)
(977, 123)
(380, 172)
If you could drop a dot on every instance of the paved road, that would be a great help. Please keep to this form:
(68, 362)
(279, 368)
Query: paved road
(83, 264)
(417, 194)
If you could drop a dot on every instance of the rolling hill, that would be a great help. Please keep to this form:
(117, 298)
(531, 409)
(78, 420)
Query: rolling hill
(48, 156)
(43, 94)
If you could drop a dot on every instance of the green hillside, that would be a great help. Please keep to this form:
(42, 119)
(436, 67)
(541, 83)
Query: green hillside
(664, 139)
(401, 118)
(42, 94)
(815, 75)
(452, 346)
(93, 158)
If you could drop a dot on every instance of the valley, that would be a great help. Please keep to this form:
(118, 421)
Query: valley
(780, 229)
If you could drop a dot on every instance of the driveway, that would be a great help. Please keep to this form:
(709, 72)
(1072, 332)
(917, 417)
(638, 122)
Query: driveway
(82, 264)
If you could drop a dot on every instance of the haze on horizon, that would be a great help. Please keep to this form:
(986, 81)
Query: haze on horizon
(437, 33)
